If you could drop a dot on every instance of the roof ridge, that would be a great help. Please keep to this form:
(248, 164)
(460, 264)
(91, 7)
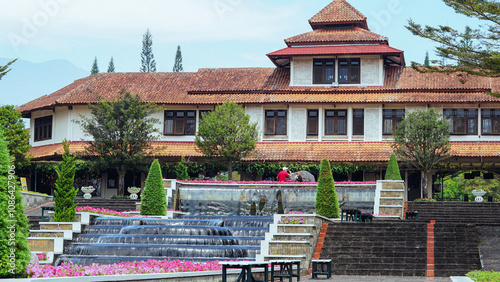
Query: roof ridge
(338, 12)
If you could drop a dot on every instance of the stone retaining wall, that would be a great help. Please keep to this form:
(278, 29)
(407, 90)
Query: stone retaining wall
(35, 200)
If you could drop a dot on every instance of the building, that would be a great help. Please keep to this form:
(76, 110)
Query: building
(336, 92)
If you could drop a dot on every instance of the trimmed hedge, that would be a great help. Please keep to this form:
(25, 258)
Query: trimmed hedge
(326, 203)
(393, 169)
(154, 199)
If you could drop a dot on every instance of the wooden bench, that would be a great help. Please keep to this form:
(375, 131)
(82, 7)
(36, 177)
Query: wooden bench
(365, 217)
(46, 209)
(411, 215)
(350, 215)
(318, 268)
(246, 270)
(286, 269)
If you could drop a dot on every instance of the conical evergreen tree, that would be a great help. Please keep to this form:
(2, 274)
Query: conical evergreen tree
(65, 192)
(95, 68)
(178, 61)
(181, 170)
(14, 250)
(154, 199)
(147, 57)
(426, 60)
(326, 204)
(393, 169)
(111, 67)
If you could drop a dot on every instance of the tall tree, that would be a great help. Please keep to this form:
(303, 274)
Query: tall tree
(16, 134)
(426, 60)
(147, 57)
(111, 67)
(226, 134)
(178, 61)
(326, 203)
(5, 69)
(422, 139)
(122, 130)
(95, 68)
(65, 192)
(14, 250)
(480, 55)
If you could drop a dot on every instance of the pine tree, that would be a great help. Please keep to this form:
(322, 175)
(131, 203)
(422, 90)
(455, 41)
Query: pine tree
(426, 60)
(95, 68)
(326, 197)
(181, 170)
(147, 57)
(393, 169)
(5, 69)
(14, 250)
(154, 199)
(111, 67)
(65, 192)
(178, 61)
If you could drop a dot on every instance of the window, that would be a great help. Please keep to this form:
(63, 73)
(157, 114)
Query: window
(358, 122)
(323, 71)
(462, 121)
(491, 121)
(392, 118)
(204, 113)
(180, 123)
(312, 122)
(43, 128)
(349, 71)
(335, 122)
(276, 122)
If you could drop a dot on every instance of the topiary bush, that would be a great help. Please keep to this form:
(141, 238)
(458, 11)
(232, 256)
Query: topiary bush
(326, 197)
(65, 192)
(393, 169)
(181, 170)
(154, 199)
(14, 250)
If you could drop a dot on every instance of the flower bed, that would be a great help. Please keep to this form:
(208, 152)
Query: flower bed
(42, 256)
(104, 211)
(292, 220)
(142, 267)
(269, 182)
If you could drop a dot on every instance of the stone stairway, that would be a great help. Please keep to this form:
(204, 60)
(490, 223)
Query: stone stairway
(457, 212)
(489, 247)
(115, 204)
(456, 249)
(386, 249)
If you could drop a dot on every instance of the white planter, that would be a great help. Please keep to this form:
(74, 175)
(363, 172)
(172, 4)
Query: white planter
(479, 196)
(87, 192)
(133, 194)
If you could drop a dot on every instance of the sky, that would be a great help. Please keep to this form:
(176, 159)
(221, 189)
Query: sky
(211, 33)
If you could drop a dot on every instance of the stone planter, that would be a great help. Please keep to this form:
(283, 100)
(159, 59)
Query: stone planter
(479, 195)
(133, 193)
(87, 191)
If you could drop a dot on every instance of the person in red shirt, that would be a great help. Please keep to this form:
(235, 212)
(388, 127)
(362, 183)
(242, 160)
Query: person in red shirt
(283, 175)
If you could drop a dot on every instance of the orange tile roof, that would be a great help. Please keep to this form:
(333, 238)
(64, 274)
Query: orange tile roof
(303, 151)
(381, 49)
(327, 36)
(266, 85)
(338, 12)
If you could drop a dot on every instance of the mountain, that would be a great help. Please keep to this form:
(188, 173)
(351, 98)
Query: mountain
(28, 81)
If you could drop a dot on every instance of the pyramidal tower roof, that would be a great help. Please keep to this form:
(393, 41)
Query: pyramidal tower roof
(338, 13)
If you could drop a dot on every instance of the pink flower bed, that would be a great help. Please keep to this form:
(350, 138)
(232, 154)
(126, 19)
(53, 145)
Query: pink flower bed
(270, 182)
(142, 267)
(104, 211)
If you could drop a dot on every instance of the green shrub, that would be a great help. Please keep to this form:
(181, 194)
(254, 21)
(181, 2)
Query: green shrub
(154, 200)
(14, 250)
(326, 196)
(181, 170)
(393, 169)
(484, 276)
(65, 192)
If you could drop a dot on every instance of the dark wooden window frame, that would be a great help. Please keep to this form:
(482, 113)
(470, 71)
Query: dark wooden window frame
(464, 115)
(395, 116)
(358, 122)
(493, 115)
(179, 123)
(274, 117)
(353, 65)
(321, 67)
(336, 118)
(312, 122)
(43, 128)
